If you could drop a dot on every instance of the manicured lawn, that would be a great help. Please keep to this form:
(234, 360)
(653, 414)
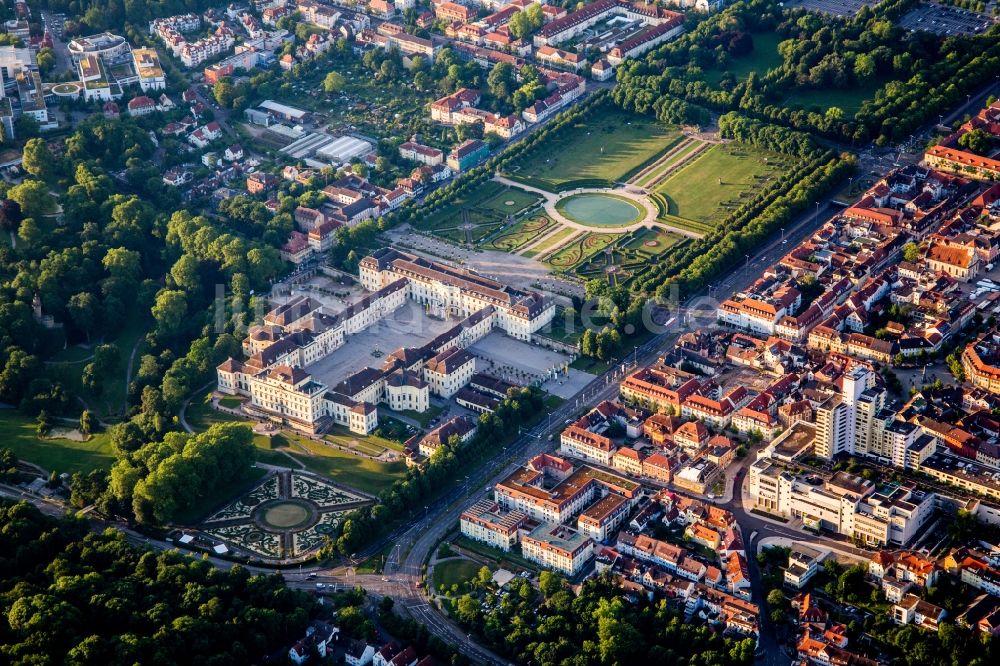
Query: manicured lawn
(764, 57)
(371, 445)
(488, 207)
(17, 433)
(520, 234)
(650, 242)
(354, 471)
(454, 572)
(603, 149)
(510, 561)
(589, 364)
(716, 180)
(849, 100)
(655, 175)
(579, 250)
(551, 242)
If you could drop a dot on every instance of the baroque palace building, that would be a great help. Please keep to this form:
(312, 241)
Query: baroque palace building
(299, 333)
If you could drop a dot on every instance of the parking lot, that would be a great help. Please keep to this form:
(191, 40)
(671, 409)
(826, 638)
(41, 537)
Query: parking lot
(943, 20)
(832, 7)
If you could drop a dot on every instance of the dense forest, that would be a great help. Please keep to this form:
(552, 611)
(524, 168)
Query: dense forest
(73, 596)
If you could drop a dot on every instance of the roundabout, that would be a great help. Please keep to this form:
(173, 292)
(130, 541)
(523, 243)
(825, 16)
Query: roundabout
(601, 210)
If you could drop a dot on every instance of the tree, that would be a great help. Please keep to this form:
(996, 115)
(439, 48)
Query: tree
(43, 424)
(333, 82)
(86, 422)
(226, 616)
(501, 80)
(864, 67)
(32, 196)
(467, 609)
(10, 215)
(46, 60)
(978, 141)
(170, 311)
(37, 159)
(85, 312)
(550, 583)
(911, 252)
(29, 232)
(224, 92)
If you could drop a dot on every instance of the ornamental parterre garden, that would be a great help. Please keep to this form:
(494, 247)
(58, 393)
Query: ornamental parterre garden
(608, 193)
(288, 515)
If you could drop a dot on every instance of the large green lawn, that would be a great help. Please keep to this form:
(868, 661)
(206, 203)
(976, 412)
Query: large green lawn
(849, 100)
(17, 433)
(764, 57)
(367, 475)
(605, 148)
(454, 572)
(716, 180)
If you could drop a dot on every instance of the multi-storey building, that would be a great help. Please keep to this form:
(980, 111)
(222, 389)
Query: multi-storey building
(558, 547)
(300, 333)
(485, 521)
(843, 503)
(452, 291)
(549, 489)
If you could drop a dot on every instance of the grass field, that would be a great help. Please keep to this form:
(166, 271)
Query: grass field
(605, 148)
(17, 433)
(454, 572)
(716, 180)
(647, 243)
(354, 471)
(509, 561)
(676, 158)
(764, 57)
(371, 444)
(849, 100)
(520, 234)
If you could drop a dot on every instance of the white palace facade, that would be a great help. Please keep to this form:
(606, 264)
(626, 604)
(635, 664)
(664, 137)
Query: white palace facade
(299, 333)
